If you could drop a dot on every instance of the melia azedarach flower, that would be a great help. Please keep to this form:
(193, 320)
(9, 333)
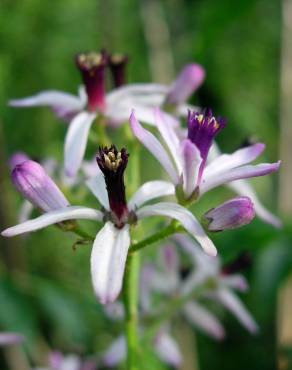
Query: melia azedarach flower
(92, 102)
(189, 170)
(112, 242)
(174, 279)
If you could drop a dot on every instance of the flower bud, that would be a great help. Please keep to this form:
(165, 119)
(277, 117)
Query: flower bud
(16, 159)
(31, 180)
(189, 79)
(232, 214)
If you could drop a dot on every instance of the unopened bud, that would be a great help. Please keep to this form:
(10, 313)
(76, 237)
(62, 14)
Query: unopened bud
(232, 214)
(31, 180)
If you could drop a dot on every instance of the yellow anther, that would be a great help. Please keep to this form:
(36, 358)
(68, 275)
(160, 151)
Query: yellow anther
(200, 118)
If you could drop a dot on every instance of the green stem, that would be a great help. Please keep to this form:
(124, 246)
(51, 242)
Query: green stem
(131, 309)
(172, 228)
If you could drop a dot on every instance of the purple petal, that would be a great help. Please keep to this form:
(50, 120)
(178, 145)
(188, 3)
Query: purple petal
(185, 217)
(188, 81)
(192, 161)
(31, 180)
(154, 146)
(167, 349)
(76, 140)
(108, 259)
(54, 217)
(204, 320)
(238, 173)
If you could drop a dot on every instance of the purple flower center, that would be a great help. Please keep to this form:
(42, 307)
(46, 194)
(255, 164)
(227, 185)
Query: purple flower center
(118, 63)
(202, 128)
(113, 164)
(92, 67)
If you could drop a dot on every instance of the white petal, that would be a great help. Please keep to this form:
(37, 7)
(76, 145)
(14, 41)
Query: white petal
(235, 281)
(108, 259)
(70, 362)
(76, 140)
(191, 161)
(234, 305)
(154, 146)
(54, 217)
(25, 211)
(50, 98)
(97, 186)
(116, 353)
(238, 173)
(204, 320)
(242, 187)
(167, 349)
(185, 217)
(150, 190)
(240, 157)
(169, 136)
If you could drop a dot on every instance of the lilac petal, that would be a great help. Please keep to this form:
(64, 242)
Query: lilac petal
(17, 158)
(98, 188)
(167, 349)
(204, 320)
(235, 282)
(116, 353)
(189, 79)
(242, 187)
(64, 104)
(150, 190)
(192, 160)
(234, 305)
(32, 181)
(55, 359)
(54, 217)
(10, 338)
(169, 136)
(185, 217)
(76, 140)
(154, 146)
(237, 174)
(227, 162)
(108, 259)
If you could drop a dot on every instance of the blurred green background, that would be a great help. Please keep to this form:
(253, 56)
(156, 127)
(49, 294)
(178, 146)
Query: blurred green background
(45, 289)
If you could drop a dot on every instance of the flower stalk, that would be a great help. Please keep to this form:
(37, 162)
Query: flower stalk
(131, 280)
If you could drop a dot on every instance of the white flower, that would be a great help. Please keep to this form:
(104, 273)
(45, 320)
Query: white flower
(112, 242)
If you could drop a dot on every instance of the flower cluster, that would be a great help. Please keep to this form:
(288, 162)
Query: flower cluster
(194, 166)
